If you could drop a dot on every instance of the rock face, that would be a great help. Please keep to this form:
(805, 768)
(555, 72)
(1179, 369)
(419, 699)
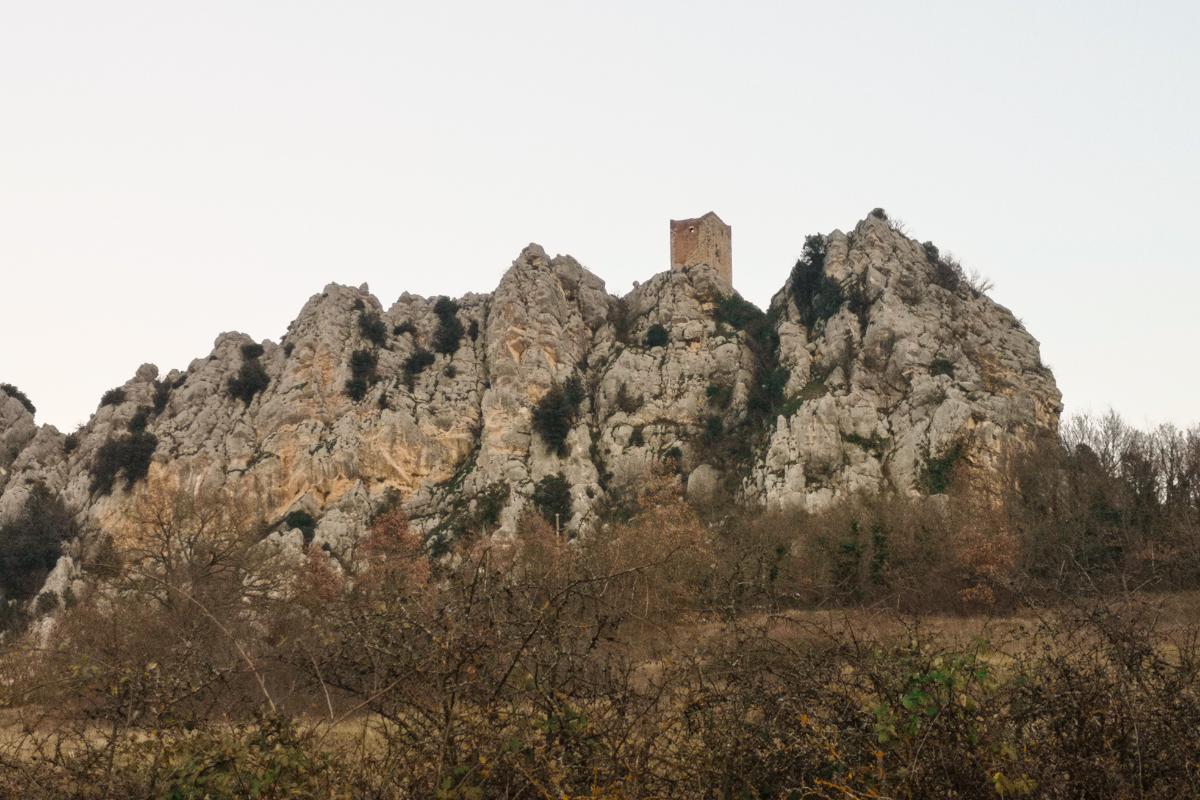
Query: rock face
(431, 404)
(908, 376)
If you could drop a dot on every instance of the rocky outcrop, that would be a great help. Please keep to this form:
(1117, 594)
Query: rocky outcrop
(17, 428)
(911, 374)
(430, 403)
(543, 321)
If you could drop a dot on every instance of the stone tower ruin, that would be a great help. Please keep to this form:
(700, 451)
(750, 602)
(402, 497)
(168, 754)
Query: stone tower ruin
(704, 240)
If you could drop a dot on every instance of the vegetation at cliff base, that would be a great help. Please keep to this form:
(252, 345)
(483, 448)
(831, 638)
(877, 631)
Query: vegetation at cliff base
(30, 544)
(939, 470)
(552, 498)
(666, 655)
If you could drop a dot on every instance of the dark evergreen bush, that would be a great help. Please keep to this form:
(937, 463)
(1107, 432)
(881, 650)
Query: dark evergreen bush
(405, 327)
(162, 393)
(363, 363)
(70, 442)
(556, 413)
(656, 336)
(766, 393)
(32, 542)
(736, 312)
(18, 395)
(573, 391)
(288, 348)
(45, 603)
(449, 332)
(252, 350)
(879, 213)
(137, 423)
(113, 397)
(362, 374)
(304, 521)
(932, 254)
(627, 401)
(947, 273)
(939, 472)
(489, 504)
(372, 328)
(251, 379)
(719, 396)
(473, 330)
(128, 455)
(874, 444)
(941, 366)
(817, 296)
(358, 304)
(552, 498)
(758, 326)
(714, 428)
(622, 319)
(418, 362)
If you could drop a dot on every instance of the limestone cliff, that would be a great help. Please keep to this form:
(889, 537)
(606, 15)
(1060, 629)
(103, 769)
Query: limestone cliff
(915, 367)
(876, 367)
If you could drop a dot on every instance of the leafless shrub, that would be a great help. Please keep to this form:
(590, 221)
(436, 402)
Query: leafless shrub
(979, 283)
(671, 655)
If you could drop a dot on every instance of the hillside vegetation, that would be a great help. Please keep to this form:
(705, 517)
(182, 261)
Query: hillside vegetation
(967, 646)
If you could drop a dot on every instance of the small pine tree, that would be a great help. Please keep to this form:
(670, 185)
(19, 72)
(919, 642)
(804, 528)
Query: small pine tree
(362, 374)
(556, 413)
(656, 336)
(372, 328)
(449, 333)
(817, 296)
(552, 498)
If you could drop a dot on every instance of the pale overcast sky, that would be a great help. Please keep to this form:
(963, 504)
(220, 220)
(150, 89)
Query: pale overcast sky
(172, 170)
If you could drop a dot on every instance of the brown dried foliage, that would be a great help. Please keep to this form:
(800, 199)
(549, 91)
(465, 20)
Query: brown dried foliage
(676, 655)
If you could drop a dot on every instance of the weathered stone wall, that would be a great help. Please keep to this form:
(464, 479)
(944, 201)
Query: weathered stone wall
(705, 240)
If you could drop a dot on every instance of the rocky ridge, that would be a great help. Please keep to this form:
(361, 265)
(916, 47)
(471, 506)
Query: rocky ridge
(894, 375)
